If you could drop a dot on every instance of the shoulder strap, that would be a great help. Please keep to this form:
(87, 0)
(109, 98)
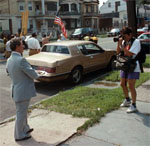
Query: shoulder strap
(132, 40)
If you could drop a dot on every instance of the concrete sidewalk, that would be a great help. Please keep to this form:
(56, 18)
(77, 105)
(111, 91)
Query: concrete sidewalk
(119, 128)
(50, 129)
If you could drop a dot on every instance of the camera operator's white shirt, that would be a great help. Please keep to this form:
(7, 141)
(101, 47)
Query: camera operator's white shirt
(135, 49)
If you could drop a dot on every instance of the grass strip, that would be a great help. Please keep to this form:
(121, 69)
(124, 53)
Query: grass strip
(85, 102)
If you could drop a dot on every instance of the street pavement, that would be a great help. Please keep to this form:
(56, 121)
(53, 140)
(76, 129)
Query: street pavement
(117, 128)
(2, 58)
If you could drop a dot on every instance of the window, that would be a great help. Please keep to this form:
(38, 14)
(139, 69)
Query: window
(65, 7)
(87, 9)
(83, 50)
(145, 36)
(30, 6)
(92, 8)
(90, 49)
(37, 7)
(21, 6)
(1, 41)
(30, 24)
(51, 23)
(52, 6)
(117, 4)
(73, 7)
(109, 5)
(56, 49)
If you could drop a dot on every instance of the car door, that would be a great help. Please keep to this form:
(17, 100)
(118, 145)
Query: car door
(94, 56)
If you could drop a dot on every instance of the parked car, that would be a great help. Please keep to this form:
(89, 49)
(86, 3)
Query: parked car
(80, 33)
(70, 59)
(142, 30)
(113, 32)
(145, 41)
(2, 46)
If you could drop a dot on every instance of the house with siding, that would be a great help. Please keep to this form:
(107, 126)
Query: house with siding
(113, 14)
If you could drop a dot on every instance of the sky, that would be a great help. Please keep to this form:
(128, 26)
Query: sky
(101, 2)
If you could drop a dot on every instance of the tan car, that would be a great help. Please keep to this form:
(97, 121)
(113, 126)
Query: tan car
(2, 46)
(70, 59)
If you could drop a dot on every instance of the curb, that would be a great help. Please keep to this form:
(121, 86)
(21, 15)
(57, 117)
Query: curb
(30, 107)
(3, 60)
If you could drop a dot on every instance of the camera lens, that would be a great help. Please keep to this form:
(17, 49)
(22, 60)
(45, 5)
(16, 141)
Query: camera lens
(116, 39)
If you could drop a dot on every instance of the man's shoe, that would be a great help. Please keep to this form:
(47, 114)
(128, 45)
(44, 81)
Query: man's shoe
(131, 109)
(25, 138)
(30, 130)
(125, 103)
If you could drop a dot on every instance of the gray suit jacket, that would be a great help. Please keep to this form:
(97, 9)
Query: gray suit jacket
(22, 75)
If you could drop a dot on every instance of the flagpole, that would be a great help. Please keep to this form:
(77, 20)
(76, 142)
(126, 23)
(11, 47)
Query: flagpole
(59, 6)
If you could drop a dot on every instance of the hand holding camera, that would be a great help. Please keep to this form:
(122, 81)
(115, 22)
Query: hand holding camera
(116, 39)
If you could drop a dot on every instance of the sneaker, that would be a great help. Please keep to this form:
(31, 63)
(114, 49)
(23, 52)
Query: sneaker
(131, 109)
(125, 103)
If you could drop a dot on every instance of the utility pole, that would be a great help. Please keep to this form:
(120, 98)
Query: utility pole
(131, 11)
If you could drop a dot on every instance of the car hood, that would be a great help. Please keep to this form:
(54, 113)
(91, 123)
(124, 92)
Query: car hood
(46, 59)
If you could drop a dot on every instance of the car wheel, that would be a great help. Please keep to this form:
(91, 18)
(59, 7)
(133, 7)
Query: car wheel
(111, 65)
(76, 75)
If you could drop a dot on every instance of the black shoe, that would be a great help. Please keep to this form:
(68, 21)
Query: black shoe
(25, 138)
(30, 130)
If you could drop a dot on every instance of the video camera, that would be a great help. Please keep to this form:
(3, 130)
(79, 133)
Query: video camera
(116, 39)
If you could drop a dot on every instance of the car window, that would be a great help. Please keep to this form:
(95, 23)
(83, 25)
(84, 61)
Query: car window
(1, 41)
(55, 49)
(92, 49)
(85, 30)
(77, 31)
(144, 36)
(83, 49)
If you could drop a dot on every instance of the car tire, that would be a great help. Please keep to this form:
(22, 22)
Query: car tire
(111, 65)
(76, 75)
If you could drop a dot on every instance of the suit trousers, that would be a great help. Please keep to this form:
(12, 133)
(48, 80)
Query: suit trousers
(21, 125)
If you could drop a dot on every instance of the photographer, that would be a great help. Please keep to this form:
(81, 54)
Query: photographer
(130, 47)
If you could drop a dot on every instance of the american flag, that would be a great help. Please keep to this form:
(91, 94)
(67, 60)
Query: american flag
(61, 24)
(58, 20)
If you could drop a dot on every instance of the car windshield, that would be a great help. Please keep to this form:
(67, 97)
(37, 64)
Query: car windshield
(115, 30)
(55, 49)
(144, 36)
(78, 30)
(1, 41)
(145, 28)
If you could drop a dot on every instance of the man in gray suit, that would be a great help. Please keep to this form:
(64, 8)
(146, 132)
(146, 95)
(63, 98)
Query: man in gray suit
(23, 88)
